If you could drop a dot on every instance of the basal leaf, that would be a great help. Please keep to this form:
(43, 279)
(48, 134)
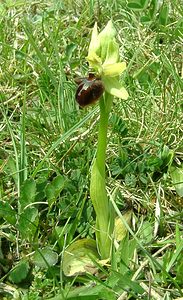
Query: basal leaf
(28, 193)
(45, 258)
(77, 258)
(7, 212)
(20, 272)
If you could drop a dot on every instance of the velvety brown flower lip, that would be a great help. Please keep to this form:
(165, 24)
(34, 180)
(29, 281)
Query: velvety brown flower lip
(89, 90)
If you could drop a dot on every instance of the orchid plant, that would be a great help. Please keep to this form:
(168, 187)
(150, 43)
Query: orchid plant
(103, 59)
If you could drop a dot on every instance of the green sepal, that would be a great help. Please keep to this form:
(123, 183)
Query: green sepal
(114, 87)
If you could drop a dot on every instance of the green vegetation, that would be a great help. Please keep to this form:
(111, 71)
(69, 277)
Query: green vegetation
(47, 146)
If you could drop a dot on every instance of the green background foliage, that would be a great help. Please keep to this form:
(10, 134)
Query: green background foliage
(47, 144)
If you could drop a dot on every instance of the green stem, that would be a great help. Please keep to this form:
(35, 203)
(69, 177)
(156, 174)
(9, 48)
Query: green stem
(102, 138)
(98, 193)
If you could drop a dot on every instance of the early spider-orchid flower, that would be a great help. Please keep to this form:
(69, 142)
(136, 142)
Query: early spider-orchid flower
(103, 58)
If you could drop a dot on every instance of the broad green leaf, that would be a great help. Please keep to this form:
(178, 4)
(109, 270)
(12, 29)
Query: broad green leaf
(97, 190)
(45, 258)
(135, 5)
(58, 183)
(138, 4)
(79, 258)
(28, 222)
(177, 179)
(50, 193)
(7, 212)
(20, 272)
(163, 15)
(28, 193)
(100, 202)
(146, 19)
(146, 232)
(54, 188)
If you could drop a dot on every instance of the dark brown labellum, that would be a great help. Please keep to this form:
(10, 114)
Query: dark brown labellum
(89, 90)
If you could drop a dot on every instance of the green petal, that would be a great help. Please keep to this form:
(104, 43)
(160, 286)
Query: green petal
(108, 32)
(113, 70)
(94, 43)
(114, 87)
(112, 55)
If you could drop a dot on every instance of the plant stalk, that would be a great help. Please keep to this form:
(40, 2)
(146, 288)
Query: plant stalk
(98, 193)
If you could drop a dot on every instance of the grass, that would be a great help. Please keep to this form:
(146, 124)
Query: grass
(47, 145)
